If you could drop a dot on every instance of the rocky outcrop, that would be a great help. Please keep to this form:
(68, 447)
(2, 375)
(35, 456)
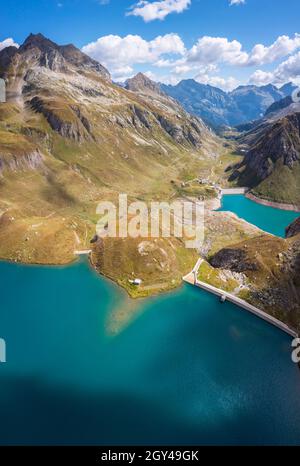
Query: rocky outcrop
(69, 122)
(280, 141)
(26, 161)
(293, 229)
(182, 133)
(141, 117)
(271, 268)
(141, 83)
(181, 127)
(235, 260)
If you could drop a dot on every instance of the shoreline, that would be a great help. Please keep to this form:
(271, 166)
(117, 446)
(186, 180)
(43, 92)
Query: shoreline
(275, 205)
(241, 303)
(213, 204)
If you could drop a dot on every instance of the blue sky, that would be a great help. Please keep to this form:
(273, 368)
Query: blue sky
(206, 39)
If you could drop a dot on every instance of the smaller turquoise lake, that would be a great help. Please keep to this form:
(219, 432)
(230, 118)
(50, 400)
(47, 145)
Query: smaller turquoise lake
(266, 218)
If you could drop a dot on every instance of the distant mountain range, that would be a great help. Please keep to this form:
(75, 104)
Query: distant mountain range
(218, 108)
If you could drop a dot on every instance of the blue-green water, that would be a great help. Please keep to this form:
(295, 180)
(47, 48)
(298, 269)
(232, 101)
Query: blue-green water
(268, 219)
(187, 370)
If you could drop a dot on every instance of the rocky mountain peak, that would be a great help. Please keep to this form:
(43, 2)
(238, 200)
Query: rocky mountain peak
(59, 57)
(75, 57)
(39, 41)
(141, 83)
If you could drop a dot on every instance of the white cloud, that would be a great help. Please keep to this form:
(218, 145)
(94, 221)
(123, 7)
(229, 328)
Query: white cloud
(181, 69)
(217, 50)
(220, 50)
(151, 75)
(217, 81)
(287, 71)
(261, 78)
(150, 11)
(121, 55)
(282, 47)
(122, 71)
(117, 52)
(169, 79)
(237, 2)
(8, 43)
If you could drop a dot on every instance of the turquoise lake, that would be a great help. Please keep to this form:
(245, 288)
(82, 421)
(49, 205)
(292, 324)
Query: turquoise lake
(185, 370)
(268, 219)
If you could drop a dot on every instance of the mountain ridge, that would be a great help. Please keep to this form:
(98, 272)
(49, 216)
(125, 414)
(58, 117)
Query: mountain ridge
(70, 138)
(219, 108)
(271, 166)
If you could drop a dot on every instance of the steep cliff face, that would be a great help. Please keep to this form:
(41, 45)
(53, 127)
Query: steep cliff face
(18, 153)
(67, 120)
(271, 166)
(28, 160)
(233, 259)
(174, 120)
(293, 229)
(279, 142)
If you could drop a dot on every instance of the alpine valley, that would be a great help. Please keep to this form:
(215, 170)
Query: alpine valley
(71, 137)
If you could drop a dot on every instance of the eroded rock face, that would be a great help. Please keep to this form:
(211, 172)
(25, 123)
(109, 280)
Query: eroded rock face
(281, 141)
(293, 229)
(273, 143)
(69, 122)
(180, 126)
(235, 260)
(30, 160)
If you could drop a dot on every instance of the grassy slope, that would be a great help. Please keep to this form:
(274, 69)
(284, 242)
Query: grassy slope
(283, 185)
(274, 284)
(48, 212)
